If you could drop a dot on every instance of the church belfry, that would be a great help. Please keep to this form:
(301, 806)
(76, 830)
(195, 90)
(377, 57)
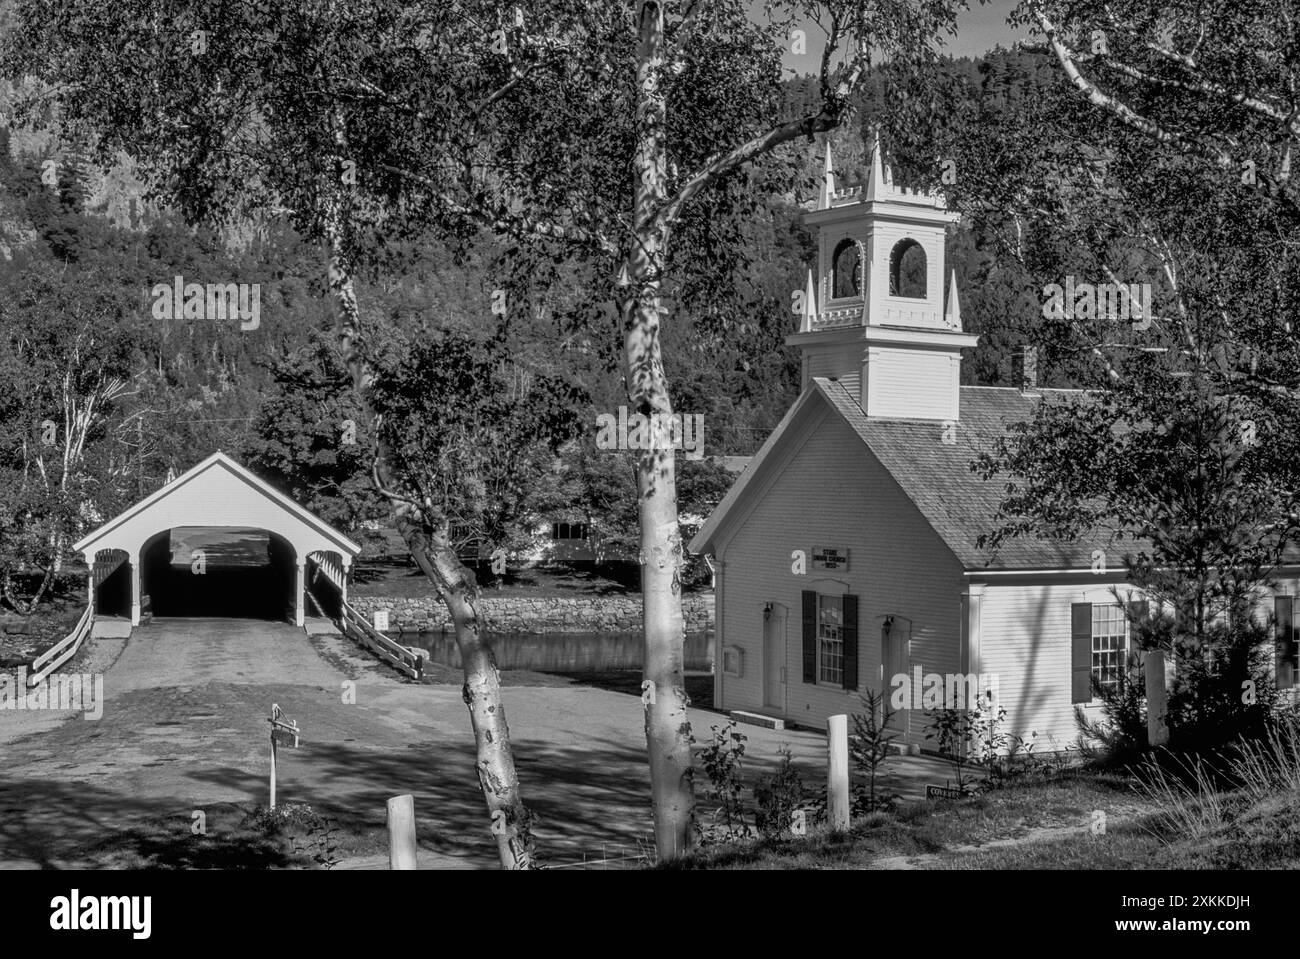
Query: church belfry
(878, 321)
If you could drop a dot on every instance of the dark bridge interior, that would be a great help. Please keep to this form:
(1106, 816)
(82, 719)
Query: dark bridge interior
(229, 572)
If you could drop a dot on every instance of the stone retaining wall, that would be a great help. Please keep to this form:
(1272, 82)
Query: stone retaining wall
(510, 614)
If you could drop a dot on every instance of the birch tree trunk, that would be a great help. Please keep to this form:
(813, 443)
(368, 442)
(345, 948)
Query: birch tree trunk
(424, 531)
(667, 726)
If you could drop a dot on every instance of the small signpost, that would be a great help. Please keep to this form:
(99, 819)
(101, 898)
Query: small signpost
(381, 620)
(284, 732)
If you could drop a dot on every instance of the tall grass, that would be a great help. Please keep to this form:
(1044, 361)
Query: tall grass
(1192, 794)
(1271, 764)
(1190, 804)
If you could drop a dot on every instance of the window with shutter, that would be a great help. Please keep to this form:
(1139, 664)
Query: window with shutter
(1081, 652)
(1284, 643)
(809, 636)
(1137, 613)
(830, 639)
(850, 672)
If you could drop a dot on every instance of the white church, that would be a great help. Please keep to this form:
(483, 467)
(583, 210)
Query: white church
(846, 554)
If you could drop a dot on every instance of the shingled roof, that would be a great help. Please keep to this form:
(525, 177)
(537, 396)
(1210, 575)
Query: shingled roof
(959, 504)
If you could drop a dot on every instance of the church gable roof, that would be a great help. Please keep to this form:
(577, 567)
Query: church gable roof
(959, 504)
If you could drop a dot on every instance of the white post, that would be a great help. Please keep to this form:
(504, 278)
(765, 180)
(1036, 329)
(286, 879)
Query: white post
(837, 772)
(135, 590)
(299, 587)
(1157, 698)
(272, 767)
(401, 833)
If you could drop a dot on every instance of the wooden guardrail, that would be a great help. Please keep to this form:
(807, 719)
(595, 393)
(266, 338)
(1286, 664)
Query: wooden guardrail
(391, 652)
(58, 654)
(356, 628)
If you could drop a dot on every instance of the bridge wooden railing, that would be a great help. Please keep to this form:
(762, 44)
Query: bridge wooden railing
(58, 654)
(355, 627)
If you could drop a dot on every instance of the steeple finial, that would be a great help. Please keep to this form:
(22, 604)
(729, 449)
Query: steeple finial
(877, 184)
(952, 315)
(809, 307)
(828, 180)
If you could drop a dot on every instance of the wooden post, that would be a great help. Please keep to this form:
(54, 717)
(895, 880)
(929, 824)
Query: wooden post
(272, 767)
(401, 833)
(837, 772)
(135, 590)
(1157, 698)
(299, 587)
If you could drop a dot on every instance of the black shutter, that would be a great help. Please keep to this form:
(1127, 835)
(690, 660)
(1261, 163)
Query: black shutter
(850, 642)
(1283, 639)
(1137, 613)
(809, 636)
(1081, 652)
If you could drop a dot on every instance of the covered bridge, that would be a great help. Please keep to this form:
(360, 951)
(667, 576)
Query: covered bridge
(217, 541)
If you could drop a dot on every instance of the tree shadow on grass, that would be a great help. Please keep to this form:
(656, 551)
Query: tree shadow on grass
(583, 799)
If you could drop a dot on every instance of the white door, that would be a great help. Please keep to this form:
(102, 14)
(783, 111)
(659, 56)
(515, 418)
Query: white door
(895, 647)
(774, 659)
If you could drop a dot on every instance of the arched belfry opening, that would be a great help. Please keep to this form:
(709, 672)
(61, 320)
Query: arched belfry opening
(907, 276)
(217, 541)
(846, 270)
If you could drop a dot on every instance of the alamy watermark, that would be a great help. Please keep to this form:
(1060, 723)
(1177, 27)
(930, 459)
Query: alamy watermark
(83, 692)
(1099, 301)
(941, 690)
(658, 431)
(179, 300)
(75, 912)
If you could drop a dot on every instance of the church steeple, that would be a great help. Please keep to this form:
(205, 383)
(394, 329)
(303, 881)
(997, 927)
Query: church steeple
(877, 185)
(809, 315)
(828, 181)
(880, 323)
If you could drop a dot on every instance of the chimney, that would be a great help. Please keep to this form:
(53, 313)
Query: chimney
(1025, 368)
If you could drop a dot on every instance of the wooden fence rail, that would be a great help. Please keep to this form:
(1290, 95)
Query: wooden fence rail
(58, 654)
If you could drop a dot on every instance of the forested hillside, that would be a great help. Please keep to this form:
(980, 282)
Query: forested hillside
(169, 391)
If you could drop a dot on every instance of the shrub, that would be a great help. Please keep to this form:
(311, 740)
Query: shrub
(1122, 735)
(1223, 689)
(869, 750)
(311, 834)
(722, 760)
(777, 797)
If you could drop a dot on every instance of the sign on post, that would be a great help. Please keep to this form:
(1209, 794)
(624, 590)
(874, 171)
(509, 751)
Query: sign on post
(381, 620)
(284, 732)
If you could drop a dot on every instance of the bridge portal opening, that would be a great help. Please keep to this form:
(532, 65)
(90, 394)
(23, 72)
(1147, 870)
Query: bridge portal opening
(219, 571)
(111, 579)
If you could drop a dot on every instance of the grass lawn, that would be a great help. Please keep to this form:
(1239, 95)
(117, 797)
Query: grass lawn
(1047, 825)
(236, 836)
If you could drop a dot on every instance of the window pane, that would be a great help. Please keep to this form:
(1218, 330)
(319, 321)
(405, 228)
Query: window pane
(1109, 644)
(830, 639)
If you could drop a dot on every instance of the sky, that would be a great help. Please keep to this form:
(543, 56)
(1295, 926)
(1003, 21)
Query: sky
(979, 30)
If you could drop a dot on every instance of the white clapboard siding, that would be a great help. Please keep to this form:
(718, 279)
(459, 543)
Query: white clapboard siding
(830, 491)
(912, 384)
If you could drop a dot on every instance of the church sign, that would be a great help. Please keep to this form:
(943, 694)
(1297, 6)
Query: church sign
(824, 557)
